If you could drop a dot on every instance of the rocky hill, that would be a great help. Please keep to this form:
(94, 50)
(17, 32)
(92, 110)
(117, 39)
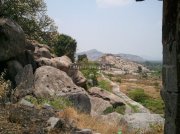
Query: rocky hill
(94, 55)
(121, 66)
(131, 57)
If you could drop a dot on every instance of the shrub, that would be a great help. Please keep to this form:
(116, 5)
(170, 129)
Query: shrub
(82, 58)
(118, 79)
(104, 84)
(65, 45)
(138, 95)
(154, 105)
(118, 109)
(57, 102)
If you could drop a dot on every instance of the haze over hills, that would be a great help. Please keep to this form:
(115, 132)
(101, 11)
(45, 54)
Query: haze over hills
(94, 54)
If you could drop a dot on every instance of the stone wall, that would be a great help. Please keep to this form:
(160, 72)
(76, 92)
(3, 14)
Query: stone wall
(171, 65)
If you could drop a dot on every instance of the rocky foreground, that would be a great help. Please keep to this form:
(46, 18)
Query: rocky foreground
(36, 73)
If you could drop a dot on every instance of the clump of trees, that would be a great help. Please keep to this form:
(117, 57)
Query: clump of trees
(32, 16)
(82, 58)
(65, 45)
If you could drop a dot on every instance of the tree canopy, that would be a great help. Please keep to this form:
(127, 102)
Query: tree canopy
(65, 45)
(31, 16)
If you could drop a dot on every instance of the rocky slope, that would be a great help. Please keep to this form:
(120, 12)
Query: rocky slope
(36, 73)
(121, 66)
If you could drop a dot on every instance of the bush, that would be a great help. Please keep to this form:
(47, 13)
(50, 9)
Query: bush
(82, 58)
(65, 45)
(154, 105)
(118, 109)
(31, 15)
(104, 84)
(118, 79)
(138, 95)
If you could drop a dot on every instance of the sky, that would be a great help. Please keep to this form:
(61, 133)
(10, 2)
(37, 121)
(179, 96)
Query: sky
(111, 26)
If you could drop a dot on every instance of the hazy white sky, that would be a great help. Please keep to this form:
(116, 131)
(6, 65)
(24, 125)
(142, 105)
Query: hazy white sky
(114, 26)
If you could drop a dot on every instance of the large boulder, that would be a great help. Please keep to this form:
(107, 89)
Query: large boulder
(105, 95)
(13, 68)
(43, 52)
(25, 83)
(34, 120)
(112, 118)
(64, 63)
(98, 105)
(77, 77)
(50, 81)
(142, 122)
(38, 50)
(12, 39)
(26, 58)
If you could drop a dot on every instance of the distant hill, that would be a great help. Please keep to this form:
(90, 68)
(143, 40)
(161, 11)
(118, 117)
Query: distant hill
(94, 55)
(120, 65)
(131, 57)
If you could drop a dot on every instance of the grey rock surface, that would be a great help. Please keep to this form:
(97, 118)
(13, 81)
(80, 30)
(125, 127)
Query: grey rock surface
(25, 82)
(98, 105)
(50, 81)
(141, 121)
(63, 63)
(12, 39)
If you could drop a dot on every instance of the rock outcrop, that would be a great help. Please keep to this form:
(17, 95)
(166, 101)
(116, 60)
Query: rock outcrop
(142, 122)
(101, 93)
(121, 66)
(38, 50)
(64, 63)
(50, 81)
(25, 83)
(12, 39)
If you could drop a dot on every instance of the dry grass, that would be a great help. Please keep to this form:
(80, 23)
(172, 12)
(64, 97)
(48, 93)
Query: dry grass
(151, 86)
(4, 86)
(86, 121)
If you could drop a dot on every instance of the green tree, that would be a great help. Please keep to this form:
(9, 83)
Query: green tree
(32, 17)
(65, 45)
(82, 58)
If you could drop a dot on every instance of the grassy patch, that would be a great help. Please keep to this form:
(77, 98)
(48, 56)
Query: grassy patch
(155, 105)
(119, 109)
(104, 84)
(134, 108)
(138, 95)
(57, 102)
